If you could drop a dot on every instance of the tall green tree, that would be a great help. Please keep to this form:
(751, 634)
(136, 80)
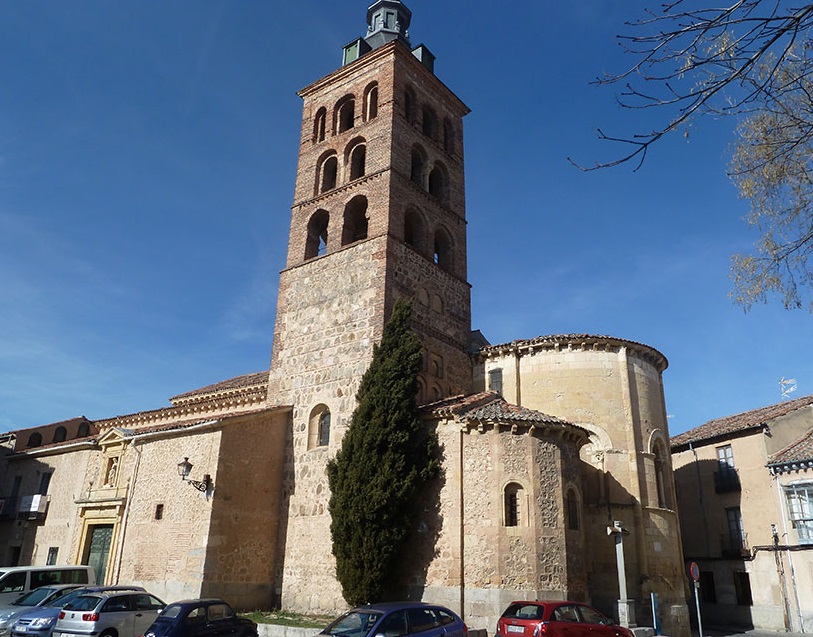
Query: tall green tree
(387, 455)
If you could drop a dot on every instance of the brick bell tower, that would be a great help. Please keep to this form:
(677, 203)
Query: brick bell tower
(378, 214)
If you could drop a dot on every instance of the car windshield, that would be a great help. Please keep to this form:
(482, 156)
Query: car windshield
(83, 602)
(356, 623)
(32, 598)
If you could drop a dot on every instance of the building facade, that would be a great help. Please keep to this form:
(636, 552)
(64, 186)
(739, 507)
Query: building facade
(546, 443)
(745, 494)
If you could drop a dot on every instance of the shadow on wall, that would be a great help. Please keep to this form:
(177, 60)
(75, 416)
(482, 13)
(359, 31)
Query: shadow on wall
(709, 496)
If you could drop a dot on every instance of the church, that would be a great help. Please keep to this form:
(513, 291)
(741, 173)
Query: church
(551, 446)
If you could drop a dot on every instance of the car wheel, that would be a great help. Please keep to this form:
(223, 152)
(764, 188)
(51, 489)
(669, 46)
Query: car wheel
(109, 633)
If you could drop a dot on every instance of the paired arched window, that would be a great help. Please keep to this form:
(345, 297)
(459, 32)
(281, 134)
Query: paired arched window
(438, 183)
(319, 125)
(345, 115)
(327, 172)
(442, 250)
(512, 504)
(414, 230)
(418, 166)
(371, 101)
(409, 105)
(355, 220)
(316, 242)
(357, 160)
(319, 427)
(60, 434)
(429, 122)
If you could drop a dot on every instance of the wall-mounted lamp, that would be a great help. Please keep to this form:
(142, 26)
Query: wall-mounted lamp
(204, 486)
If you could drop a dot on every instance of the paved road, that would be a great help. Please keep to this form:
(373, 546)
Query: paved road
(718, 632)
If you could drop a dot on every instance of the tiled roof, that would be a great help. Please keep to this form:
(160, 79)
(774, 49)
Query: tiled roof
(236, 383)
(489, 406)
(754, 419)
(799, 451)
(582, 341)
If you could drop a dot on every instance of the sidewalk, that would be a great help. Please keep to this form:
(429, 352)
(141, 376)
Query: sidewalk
(742, 632)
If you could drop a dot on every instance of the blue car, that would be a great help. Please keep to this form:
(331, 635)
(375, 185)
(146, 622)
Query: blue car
(201, 618)
(39, 622)
(398, 619)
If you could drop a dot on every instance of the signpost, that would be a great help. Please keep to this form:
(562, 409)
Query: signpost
(694, 573)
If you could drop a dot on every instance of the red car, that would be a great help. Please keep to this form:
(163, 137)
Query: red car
(556, 619)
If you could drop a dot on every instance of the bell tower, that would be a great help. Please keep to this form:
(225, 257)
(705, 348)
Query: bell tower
(378, 214)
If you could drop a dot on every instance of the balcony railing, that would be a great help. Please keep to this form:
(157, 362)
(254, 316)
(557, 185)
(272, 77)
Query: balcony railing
(727, 481)
(734, 546)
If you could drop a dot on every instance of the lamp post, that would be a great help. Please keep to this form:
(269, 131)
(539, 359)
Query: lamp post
(204, 486)
(626, 608)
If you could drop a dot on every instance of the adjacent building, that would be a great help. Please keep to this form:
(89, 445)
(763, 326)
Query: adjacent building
(547, 443)
(745, 497)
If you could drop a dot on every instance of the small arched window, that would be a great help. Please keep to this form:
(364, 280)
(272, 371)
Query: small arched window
(60, 434)
(409, 105)
(572, 510)
(437, 183)
(35, 439)
(448, 137)
(355, 220)
(371, 102)
(414, 230)
(512, 504)
(83, 430)
(345, 114)
(327, 173)
(661, 465)
(316, 241)
(442, 251)
(358, 159)
(319, 427)
(319, 124)
(429, 122)
(418, 166)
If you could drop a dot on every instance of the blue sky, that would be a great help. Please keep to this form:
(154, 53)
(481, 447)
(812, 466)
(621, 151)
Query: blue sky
(147, 159)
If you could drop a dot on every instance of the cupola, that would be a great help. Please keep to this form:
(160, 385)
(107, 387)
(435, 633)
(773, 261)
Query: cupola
(387, 20)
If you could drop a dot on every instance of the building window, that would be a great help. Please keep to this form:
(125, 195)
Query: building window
(159, 511)
(327, 173)
(742, 587)
(725, 458)
(83, 430)
(53, 551)
(45, 481)
(511, 500)
(319, 427)
(495, 380)
(345, 114)
(414, 230)
(708, 593)
(430, 123)
(316, 241)
(572, 510)
(60, 434)
(355, 220)
(448, 137)
(358, 159)
(442, 253)
(800, 509)
(409, 105)
(417, 168)
(734, 542)
(371, 102)
(319, 125)
(35, 439)
(437, 183)
(661, 466)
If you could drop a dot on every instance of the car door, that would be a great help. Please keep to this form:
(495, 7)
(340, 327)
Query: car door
(221, 621)
(565, 622)
(145, 610)
(117, 613)
(596, 624)
(424, 622)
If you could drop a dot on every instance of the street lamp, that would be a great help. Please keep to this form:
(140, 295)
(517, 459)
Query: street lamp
(204, 486)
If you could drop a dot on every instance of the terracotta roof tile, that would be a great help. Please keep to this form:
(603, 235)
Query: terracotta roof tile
(798, 451)
(489, 406)
(238, 382)
(754, 419)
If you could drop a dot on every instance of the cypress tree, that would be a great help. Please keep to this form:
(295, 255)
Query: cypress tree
(386, 457)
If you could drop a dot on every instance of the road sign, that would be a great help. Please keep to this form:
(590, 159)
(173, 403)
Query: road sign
(694, 571)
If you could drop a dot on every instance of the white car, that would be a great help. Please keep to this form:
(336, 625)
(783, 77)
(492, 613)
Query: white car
(108, 614)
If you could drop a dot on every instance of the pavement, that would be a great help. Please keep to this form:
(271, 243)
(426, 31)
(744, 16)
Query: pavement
(742, 632)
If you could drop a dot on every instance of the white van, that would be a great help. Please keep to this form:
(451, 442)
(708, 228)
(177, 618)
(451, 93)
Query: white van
(16, 580)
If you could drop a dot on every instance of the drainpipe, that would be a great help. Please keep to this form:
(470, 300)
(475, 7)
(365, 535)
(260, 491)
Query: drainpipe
(790, 558)
(126, 515)
(462, 529)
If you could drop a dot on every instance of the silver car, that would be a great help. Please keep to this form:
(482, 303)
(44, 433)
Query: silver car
(41, 596)
(108, 614)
